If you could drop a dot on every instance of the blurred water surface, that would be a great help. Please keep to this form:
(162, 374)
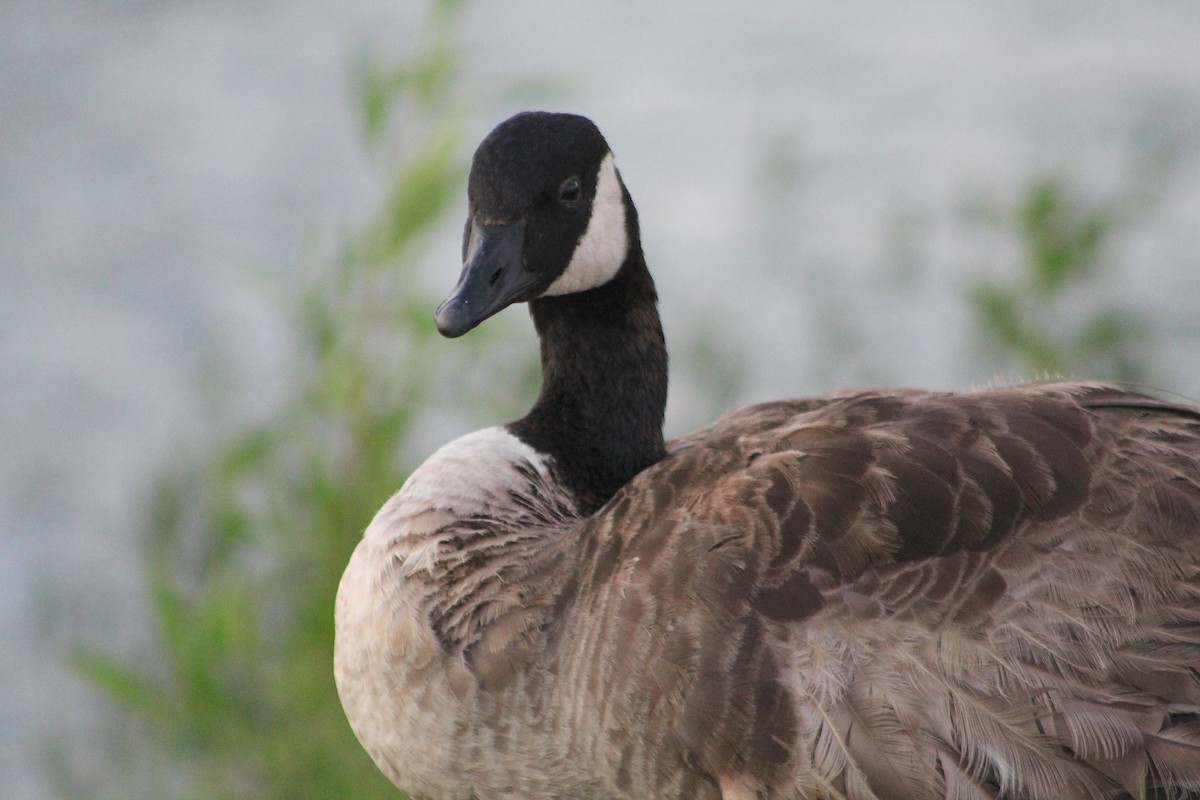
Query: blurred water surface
(801, 171)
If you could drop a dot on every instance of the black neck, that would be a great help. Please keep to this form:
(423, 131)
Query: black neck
(604, 383)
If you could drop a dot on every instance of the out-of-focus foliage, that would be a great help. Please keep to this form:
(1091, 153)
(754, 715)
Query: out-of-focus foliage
(1055, 317)
(247, 542)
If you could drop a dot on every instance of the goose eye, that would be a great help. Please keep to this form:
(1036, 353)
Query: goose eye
(570, 191)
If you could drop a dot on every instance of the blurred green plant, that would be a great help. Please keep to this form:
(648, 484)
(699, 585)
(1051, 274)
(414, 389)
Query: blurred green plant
(1051, 318)
(247, 543)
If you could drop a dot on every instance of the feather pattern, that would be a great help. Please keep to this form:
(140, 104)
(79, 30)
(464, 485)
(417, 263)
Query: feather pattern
(869, 595)
(874, 595)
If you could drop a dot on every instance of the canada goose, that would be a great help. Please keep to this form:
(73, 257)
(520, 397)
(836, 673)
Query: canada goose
(872, 594)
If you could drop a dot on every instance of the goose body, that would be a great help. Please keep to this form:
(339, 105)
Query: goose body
(876, 594)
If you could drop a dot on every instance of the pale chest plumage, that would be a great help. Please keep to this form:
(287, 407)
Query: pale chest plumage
(425, 583)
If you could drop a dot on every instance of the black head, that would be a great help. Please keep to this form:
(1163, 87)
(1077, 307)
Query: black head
(548, 216)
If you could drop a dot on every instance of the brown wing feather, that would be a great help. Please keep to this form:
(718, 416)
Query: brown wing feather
(909, 595)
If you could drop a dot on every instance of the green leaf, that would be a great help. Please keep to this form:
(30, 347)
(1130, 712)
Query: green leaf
(419, 196)
(137, 692)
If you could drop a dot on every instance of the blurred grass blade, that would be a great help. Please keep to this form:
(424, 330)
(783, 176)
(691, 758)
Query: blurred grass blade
(126, 686)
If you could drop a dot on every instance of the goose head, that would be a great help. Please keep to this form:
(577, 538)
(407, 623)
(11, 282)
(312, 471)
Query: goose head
(548, 216)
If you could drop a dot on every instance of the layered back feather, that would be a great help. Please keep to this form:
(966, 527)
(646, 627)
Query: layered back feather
(913, 596)
(872, 595)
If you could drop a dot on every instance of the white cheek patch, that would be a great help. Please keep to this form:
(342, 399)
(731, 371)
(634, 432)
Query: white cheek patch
(603, 247)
